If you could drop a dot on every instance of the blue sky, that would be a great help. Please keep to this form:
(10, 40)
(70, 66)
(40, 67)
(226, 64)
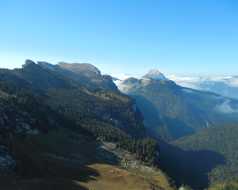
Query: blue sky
(123, 36)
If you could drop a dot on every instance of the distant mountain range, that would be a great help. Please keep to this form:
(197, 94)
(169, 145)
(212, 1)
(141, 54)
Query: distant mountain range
(224, 85)
(172, 111)
(58, 120)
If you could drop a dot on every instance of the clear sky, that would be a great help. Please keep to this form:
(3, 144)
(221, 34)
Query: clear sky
(123, 36)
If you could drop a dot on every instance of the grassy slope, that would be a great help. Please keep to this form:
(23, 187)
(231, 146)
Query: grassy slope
(65, 160)
(62, 157)
(114, 178)
(109, 178)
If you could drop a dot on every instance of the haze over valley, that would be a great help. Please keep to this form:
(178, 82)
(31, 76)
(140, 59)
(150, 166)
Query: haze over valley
(119, 95)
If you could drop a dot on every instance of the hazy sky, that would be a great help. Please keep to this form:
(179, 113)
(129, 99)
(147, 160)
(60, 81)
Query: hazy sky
(123, 36)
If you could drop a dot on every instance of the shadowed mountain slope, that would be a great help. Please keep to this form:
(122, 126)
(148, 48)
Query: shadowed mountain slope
(171, 111)
(222, 140)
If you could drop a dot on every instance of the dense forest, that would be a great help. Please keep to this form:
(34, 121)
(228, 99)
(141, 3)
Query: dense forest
(228, 185)
(221, 140)
(35, 99)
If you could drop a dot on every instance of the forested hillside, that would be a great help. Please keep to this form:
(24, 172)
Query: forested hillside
(228, 185)
(221, 140)
(171, 111)
(52, 127)
(56, 125)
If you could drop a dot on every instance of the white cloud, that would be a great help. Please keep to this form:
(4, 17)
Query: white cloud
(225, 107)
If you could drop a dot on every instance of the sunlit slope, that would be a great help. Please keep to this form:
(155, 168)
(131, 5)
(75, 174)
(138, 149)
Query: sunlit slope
(65, 160)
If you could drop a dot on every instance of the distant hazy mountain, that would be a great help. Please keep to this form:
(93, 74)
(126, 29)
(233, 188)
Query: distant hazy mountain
(172, 111)
(226, 86)
(58, 119)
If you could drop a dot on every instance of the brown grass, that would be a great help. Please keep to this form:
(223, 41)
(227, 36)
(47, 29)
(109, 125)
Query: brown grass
(64, 161)
(114, 178)
(108, 178)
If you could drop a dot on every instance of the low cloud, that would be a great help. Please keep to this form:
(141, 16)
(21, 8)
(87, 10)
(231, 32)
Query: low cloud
(225, 107)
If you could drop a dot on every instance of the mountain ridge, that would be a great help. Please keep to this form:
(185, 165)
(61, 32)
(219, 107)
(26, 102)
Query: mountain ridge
(175, 110)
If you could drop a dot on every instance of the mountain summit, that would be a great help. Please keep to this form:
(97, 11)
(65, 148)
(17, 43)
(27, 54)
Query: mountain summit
(171, 111)
(80, 68)
(155, 74)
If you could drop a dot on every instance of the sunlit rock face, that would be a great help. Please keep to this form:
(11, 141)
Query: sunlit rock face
(155, 75)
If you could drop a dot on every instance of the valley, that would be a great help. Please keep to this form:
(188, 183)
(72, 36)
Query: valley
(118, 95)
(68, 126)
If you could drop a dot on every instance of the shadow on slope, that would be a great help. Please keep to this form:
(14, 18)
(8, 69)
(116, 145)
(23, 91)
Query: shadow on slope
(57, 160)
(161, 126)
(189, 167)
(39, 184)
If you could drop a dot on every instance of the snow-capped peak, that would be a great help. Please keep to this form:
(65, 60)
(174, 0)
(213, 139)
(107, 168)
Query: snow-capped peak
(155, 74)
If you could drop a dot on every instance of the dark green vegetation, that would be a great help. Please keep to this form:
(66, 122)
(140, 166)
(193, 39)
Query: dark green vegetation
(223, 141)
(228, 185)
(56, 119)
(144, 149)
(204, 152)
(171, 111)
(53, 124)
(189, 167)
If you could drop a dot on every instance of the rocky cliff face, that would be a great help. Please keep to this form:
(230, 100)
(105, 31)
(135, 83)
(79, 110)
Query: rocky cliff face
(41, 98)
(62, 89)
